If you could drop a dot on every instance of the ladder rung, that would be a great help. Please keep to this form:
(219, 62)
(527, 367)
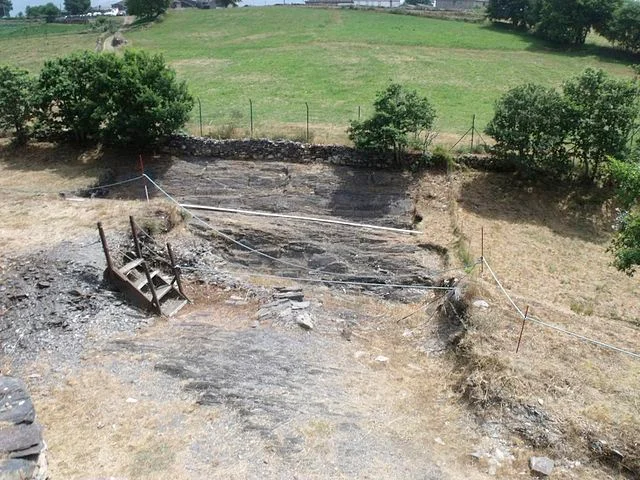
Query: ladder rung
(160, 292)
(130, 266)
(174, 307)
(143, 280)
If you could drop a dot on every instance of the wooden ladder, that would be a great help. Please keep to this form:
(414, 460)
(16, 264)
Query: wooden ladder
(147, 289)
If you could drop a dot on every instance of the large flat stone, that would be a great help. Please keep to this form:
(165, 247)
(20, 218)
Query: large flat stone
(16, 469)
(20, 438)
(15, 402)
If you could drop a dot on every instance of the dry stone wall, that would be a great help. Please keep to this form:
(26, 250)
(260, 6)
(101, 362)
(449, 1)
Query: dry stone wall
(281, 150)
(289, 151)
(22, 449)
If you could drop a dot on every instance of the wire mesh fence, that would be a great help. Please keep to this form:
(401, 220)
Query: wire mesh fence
(303, 122)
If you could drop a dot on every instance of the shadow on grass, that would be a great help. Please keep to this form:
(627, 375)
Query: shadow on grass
(568, 210)
(607, 53)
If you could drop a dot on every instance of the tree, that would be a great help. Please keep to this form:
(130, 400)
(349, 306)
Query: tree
(148, 101)
(130, 100)
(624, 27)
(602, 115)
(77, 7)
(5, 8)
(397, 113)
(569, 21)
(49, 11)
(521, 13)
(530, 125)
(16, 101)
(74, 95)
(626, 243)
(147, 8)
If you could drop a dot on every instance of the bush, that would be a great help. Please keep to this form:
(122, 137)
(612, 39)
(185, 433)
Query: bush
(626, 178)
(16, 102)
(131, 100)
(74, 96)
(147, 102)
(147, 8)
(624, 28)
(602, 113)
(626, 244)
(398, 113)
(530, 126)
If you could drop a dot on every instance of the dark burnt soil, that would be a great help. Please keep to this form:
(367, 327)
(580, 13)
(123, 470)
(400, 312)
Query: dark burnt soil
(303, 248)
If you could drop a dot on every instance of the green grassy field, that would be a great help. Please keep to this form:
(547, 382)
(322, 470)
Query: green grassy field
(336, 60)
(29, 44)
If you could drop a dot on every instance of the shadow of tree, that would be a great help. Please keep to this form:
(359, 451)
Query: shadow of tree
(569, 210)
(608, 53)
(77, 163)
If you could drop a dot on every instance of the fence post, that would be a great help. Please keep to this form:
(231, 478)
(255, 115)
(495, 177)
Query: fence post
(524, 319)
(200, 114)
(473, 130)
(482, 249)
(250, 118)
(358, 112)
(307, 105)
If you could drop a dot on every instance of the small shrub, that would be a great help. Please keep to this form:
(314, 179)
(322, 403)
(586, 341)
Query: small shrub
(225, 132)
(442, 158)
(398, 113)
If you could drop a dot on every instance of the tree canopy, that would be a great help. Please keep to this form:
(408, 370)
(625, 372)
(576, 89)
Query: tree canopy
(77, 7)
(624, 28)
(16, 101)
(5, 8)
(530, 126)
(565, 22)
(591, 119)
(49, 11)
(130, 100)
(147, 8)
(398, 112)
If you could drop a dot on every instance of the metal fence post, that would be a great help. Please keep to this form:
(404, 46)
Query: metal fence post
(200, 112)
(307, 105)
(251, 118)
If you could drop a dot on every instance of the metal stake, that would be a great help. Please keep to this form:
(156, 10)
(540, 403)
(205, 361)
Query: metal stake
(524, 319)
(200, 112)
(473, 129)
(307, 105)
(251, 117)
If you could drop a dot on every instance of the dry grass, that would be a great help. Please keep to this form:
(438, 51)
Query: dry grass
(34, 212)
(549, 250)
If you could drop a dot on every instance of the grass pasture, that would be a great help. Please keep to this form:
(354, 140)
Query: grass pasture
(27, 44)
(333, 59)
(336, 60)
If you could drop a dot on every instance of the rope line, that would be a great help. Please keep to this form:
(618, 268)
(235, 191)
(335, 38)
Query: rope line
(300, 217)
(115, 184)
(555, 327)
(251, 249)
(321, 280)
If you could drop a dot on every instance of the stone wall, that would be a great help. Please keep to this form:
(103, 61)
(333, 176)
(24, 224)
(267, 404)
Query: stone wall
(282, 150)
(288, 151)
(22, 449)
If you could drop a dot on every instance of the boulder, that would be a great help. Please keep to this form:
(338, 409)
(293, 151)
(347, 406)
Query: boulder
(541, 465)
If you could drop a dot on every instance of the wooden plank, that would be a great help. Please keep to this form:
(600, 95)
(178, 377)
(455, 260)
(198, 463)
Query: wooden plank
(130, 266)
